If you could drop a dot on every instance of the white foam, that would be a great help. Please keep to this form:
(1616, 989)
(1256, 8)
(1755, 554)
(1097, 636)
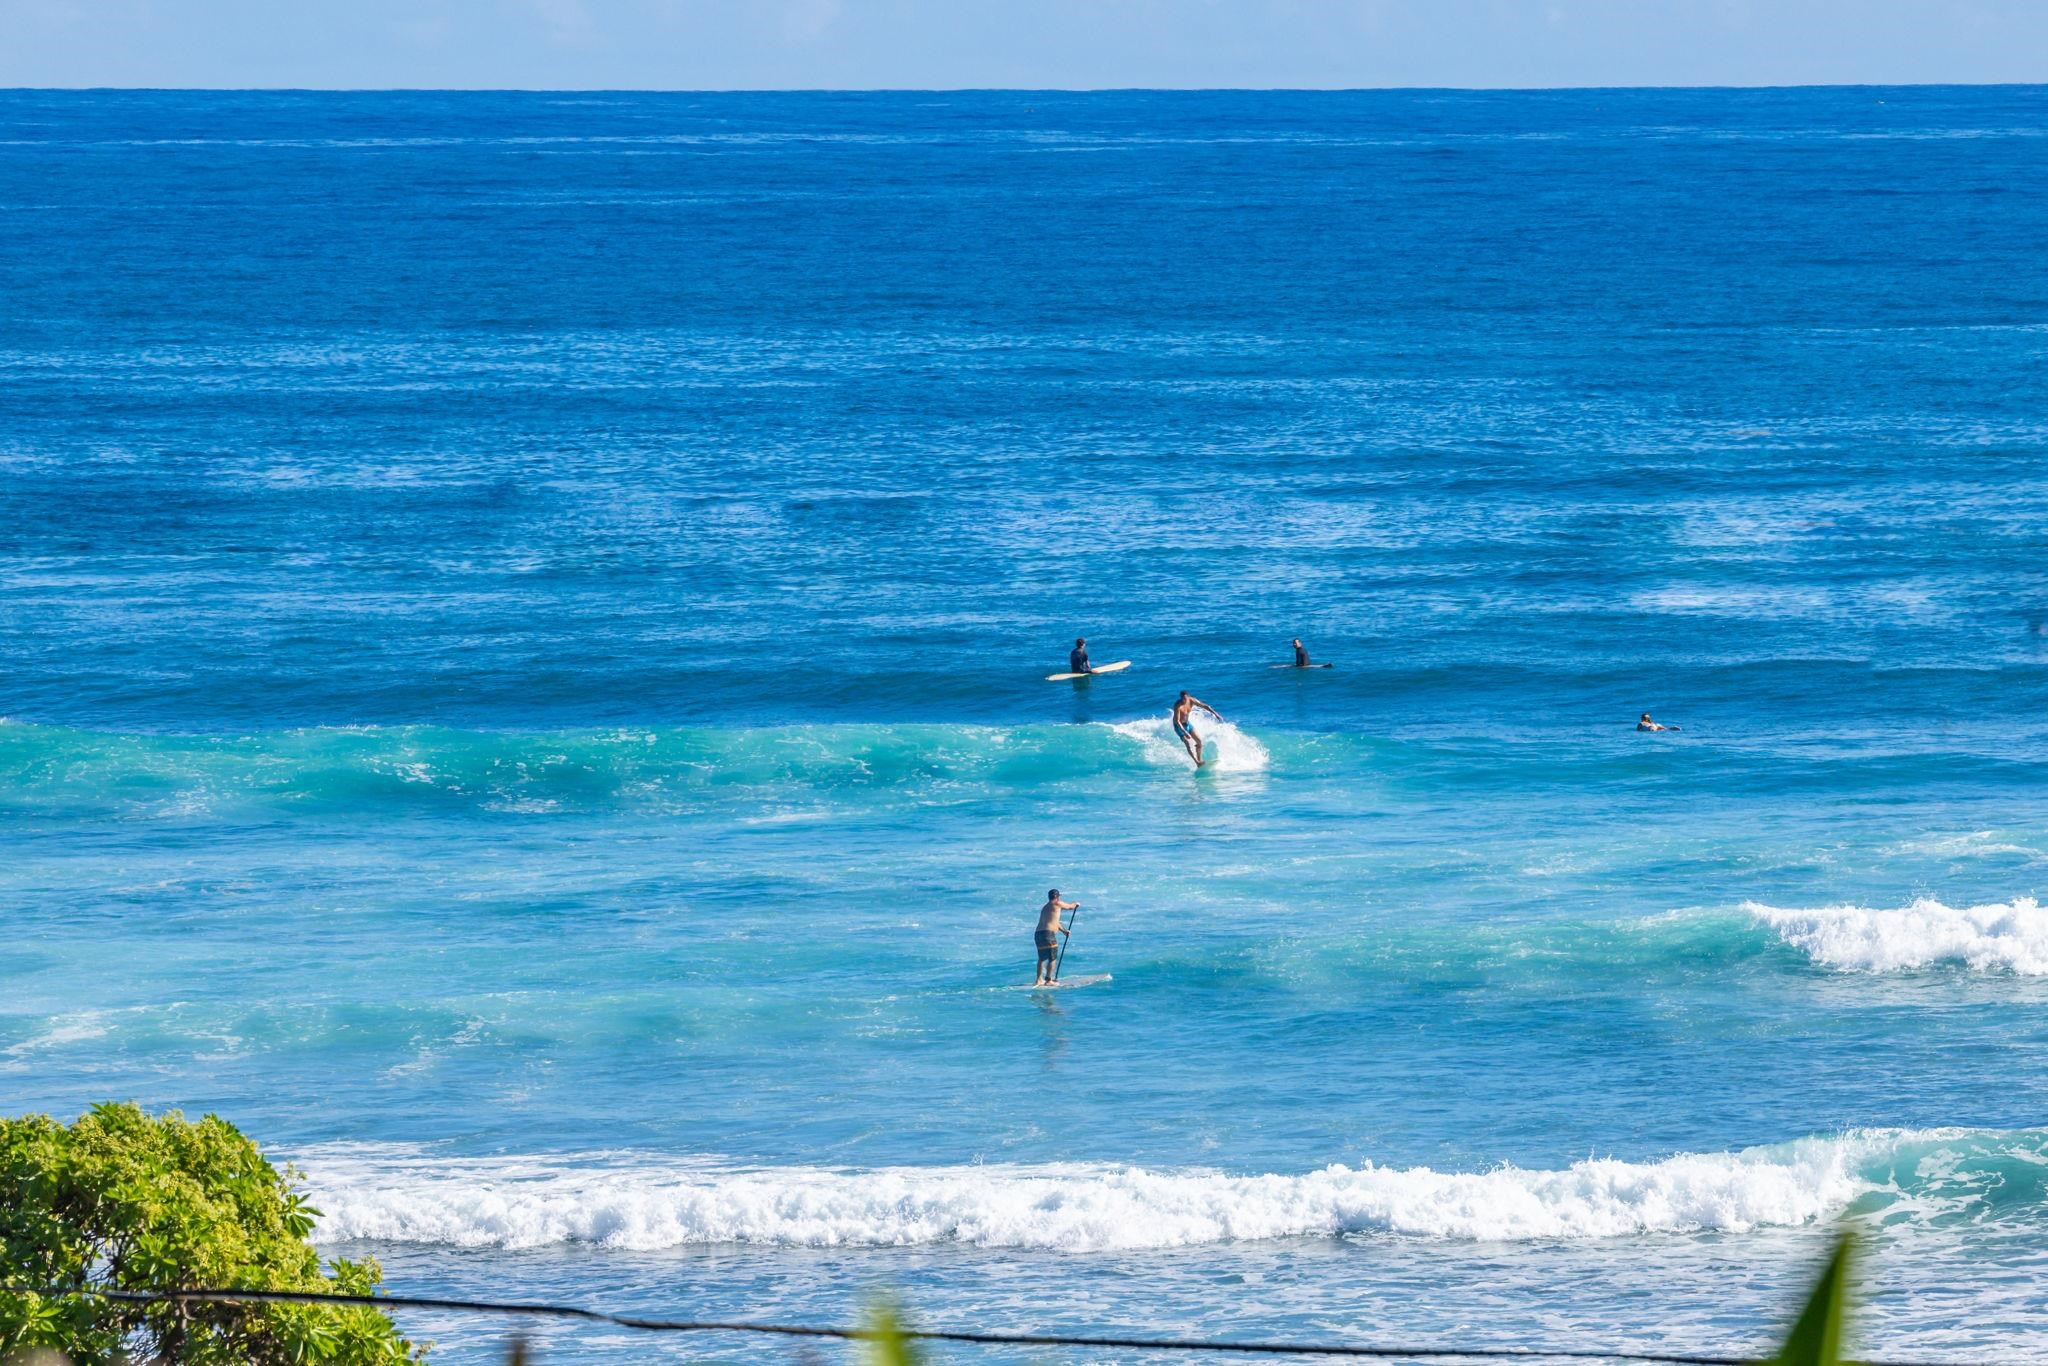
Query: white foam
(1225, 748)
(62, 1030)
(1974, 844)
(642, 1202)
(2001, 936)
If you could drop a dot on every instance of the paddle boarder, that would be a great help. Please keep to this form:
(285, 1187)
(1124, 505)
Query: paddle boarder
(1047, 936)
(1183, 723)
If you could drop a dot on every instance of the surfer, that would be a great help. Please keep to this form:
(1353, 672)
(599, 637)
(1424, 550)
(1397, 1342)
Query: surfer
(1647, 724)
(1077, 658)
(1300, 654)
(1047, 936)
(1183, 723)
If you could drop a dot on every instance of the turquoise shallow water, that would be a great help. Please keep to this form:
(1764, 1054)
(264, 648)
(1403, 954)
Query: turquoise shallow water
(524, 625)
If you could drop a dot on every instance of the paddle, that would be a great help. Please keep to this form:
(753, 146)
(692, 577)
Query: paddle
(1068, 934)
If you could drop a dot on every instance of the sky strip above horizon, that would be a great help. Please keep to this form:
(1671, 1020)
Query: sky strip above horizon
(1049, 44)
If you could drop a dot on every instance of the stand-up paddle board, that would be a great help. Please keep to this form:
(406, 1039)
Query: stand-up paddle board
(1301, 666)
(1067, 983)
(1099, 669)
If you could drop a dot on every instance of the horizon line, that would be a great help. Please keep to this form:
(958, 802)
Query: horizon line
(995, 89)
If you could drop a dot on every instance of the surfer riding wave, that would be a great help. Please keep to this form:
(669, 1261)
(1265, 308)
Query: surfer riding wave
(1183, 723)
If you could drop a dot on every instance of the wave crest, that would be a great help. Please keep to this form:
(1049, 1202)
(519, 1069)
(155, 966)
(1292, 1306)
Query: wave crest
(54, 768)
(1225, 748)
(2009, 936)
(401, 1195)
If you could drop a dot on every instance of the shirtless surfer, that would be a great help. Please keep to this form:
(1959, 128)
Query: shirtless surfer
(1077, 658)
(1647, 724)
(1183, 723)
(1047, 936)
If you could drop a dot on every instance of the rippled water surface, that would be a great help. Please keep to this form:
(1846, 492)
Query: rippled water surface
(523, 626)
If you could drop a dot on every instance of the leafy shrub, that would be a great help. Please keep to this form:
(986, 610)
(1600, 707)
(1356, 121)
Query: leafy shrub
(123, 1201)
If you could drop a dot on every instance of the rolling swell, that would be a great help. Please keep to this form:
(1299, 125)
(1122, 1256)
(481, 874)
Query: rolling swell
(405, 1195)
(53, 772)
(46, 769)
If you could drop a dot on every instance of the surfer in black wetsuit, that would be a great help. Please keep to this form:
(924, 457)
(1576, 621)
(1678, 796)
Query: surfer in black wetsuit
(1047, 936)
(1077, 658)
(1300, 654)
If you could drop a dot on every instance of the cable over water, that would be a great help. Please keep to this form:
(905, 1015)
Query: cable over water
(1147, 1344)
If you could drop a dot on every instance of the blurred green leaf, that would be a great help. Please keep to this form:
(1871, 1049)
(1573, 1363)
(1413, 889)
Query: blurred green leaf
(1816, 1336)
(887, 1345)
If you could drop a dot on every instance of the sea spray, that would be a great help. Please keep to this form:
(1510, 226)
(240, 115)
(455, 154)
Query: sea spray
(1225, 748)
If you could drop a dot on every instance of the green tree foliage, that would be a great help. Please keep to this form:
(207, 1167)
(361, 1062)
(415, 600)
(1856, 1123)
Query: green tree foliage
(123, 1201)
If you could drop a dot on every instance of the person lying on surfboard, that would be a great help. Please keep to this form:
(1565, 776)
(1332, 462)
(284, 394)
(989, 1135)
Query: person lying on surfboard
(1047, 936)
(1647, 724)
(1183, 723)
(1077, 658)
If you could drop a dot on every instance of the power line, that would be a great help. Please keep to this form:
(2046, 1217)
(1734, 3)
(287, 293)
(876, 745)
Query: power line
(564, 1311)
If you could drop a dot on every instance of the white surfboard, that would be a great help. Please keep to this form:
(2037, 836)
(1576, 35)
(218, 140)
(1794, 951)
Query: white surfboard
(1099, 669)
(1068, 983)
(1301, 666)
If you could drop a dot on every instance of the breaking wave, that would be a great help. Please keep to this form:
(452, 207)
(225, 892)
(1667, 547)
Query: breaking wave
(54, 769)
(1225, 748)
(645, 1202)
(2001, 936)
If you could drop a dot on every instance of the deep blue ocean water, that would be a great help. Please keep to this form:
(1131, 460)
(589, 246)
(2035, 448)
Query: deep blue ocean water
(522, 633)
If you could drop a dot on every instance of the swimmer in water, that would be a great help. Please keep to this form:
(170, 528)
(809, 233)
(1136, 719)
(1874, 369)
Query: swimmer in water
(1183, 723)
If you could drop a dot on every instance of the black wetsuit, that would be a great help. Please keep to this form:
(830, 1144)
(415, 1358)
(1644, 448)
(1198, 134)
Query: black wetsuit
(1300, 657)
(1077, 662)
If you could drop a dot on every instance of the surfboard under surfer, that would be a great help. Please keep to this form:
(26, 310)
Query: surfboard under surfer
(1047, 936)
(1183, 723)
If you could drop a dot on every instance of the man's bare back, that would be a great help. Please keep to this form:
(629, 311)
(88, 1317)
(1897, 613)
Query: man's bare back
(1046, 938)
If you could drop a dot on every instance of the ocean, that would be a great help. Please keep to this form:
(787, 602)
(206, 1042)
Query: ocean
(523, 623)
